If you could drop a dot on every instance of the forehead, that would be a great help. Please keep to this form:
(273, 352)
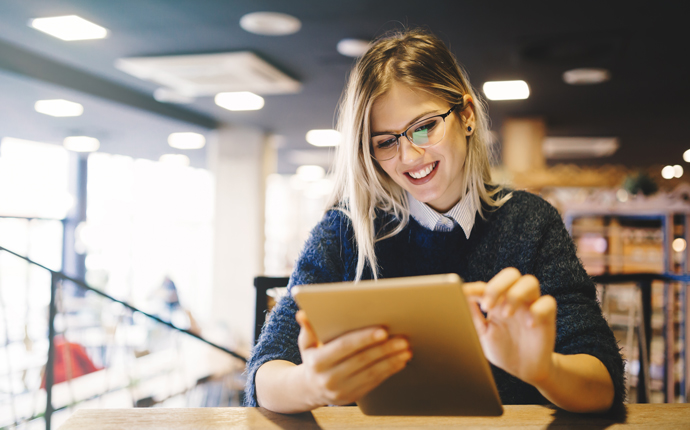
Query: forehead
(401, 104)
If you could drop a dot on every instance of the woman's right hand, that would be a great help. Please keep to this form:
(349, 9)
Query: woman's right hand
(343, 370)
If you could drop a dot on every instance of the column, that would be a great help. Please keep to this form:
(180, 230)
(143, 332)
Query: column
(522, 140)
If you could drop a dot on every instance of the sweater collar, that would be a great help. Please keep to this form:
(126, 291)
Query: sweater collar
(463, 213)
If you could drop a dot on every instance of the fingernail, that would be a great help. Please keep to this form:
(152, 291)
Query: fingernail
(400, 344)
(380, 334)
(406, 356)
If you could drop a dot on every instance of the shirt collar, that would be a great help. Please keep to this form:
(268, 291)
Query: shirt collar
(463, 213)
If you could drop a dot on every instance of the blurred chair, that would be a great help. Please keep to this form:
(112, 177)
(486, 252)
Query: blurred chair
(264, 302)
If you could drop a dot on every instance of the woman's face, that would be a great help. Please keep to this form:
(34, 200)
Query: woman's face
(442, 187)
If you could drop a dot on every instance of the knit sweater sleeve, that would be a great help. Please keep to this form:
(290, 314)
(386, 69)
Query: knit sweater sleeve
(323, 259)
(581, 327)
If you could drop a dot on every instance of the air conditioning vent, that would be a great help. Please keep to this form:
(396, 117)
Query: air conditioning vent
(210, 74)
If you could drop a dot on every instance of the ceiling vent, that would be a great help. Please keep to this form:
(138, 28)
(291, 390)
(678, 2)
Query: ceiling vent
(210, 74)
(579, 147)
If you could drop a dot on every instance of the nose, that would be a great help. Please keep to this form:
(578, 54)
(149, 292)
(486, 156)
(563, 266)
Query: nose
(409, 153)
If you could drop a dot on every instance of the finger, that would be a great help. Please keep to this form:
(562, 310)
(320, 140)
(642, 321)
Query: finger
(543, 311)
(498, 285)
(474, 290)
(477, 317)
(524, 292)
(366, 380)
(307, 338)
(347, 345)
(369, 356)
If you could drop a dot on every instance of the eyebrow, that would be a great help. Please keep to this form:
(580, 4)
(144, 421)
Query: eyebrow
(415, 119)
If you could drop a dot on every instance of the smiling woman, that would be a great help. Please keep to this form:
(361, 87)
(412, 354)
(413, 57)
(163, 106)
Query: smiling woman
(413, 196)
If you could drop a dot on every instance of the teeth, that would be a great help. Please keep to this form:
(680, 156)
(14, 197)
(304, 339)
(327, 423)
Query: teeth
(422, 173)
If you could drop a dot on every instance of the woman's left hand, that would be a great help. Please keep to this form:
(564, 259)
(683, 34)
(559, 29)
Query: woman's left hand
(518, 333)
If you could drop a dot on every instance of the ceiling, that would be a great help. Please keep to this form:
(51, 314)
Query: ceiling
(643, 45)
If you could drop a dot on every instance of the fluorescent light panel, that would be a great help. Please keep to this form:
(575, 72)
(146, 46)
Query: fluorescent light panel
(59, 108)
(506, 90)
(175, 159)
(239, 101)
(81, 143)
(69, 28)
(324, 137)
(187, 140)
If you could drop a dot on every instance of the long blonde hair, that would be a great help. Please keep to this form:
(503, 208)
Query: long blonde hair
(419, 60)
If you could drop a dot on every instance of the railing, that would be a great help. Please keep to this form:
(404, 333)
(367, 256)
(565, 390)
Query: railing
(140, 367)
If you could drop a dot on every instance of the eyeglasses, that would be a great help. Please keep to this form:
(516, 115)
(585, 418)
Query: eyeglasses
(424, 133)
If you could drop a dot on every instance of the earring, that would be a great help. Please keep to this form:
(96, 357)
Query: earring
(469, 128)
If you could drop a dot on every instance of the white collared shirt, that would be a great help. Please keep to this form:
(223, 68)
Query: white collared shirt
(463, 213)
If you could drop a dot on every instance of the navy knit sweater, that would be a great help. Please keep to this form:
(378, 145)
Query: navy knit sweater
(526, 233)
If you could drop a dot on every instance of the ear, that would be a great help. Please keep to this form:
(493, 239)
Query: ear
(467, 115)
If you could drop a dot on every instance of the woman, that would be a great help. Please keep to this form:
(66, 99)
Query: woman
(414, 196)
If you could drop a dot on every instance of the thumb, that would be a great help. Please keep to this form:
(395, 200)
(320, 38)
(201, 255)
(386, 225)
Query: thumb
(477, 317)
(307, 338)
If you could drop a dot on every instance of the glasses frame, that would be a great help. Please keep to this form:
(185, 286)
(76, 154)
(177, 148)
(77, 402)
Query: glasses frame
(404, 133)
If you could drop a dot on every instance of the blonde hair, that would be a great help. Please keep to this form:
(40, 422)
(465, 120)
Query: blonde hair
(419, 60)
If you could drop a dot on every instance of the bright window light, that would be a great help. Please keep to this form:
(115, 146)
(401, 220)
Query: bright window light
(81, 143)
(311, 173)
(187, 140)
(668, 172)
(677, 171)
(506, 90)
(69, 28)
(238, 101)
(175, 159)
(59, 108)
(324, 137)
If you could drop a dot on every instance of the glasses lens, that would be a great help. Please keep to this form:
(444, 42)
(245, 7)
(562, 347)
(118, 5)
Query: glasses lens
(384, 146)
(427, 132)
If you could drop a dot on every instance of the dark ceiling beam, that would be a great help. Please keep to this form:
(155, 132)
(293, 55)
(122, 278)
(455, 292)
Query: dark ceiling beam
(17, 60)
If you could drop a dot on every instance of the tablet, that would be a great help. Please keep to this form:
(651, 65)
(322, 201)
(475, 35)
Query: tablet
(448, 373)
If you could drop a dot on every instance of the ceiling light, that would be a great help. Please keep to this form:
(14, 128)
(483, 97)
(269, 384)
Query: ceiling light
(239, 101)
(679, 244)
(186, 140)
(311, 173)
(506, 90)
(324, 137)
(175, 159)
(70, 27)
(677, 171)
(668, 172)
(353, 47)
(686, 156)
(586, 76)
(59, 108)
(270, 23)
(81, 143)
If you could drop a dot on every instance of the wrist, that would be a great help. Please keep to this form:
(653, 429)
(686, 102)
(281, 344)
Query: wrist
(545, 379)
(305, 381)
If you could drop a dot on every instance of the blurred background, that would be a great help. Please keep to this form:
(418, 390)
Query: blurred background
(162, 163)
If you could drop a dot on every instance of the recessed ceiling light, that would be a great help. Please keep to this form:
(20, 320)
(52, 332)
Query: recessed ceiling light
(677, 171)
(586, 76)
(668, 172)
(679, 244)
(686, 156)
(311, 173)
(175, 159)
(81, 143)
(187, 140)
(270, 23)
(506, 90)
(59, 108)
(239, 101)
(324, 137)
(353, 47)
(69, 28)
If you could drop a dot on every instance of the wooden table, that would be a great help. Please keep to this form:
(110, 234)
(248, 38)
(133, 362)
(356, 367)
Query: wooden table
(657, 416)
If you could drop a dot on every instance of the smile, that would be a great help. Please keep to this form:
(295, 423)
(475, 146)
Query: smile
(423, 175)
